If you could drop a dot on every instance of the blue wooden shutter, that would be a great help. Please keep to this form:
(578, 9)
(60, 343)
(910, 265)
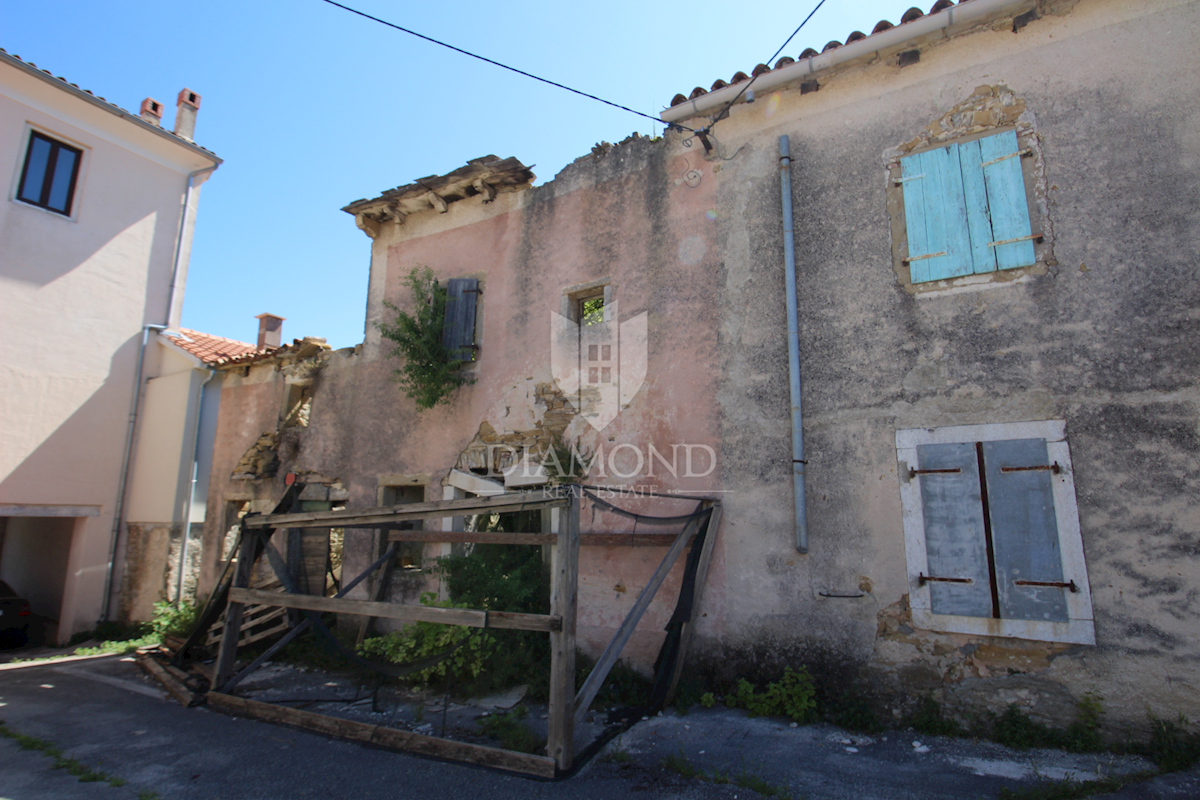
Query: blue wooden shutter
(1007, 204)
(979, 221)
(935, 215)
(1024, 530)
(952, 505)
(458, 331)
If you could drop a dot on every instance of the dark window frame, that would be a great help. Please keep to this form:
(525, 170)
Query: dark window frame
(49, 174)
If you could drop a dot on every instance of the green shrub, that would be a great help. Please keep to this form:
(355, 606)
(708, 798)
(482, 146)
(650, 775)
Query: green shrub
(1172, 746)
(172, 620)
(429, 374)
(512, 733)
(421, 640)
(793, 696)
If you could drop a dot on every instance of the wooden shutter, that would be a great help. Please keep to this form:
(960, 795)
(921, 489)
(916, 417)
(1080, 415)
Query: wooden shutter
(935, 215)
(1008, 208)
(952, 505)
(458, 331)
(979, 221)
(1024, 530)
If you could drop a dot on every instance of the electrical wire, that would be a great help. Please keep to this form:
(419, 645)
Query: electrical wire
(505, 66)
(738, 96)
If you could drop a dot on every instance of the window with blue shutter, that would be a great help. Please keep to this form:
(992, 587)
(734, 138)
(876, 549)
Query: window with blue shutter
(458, 330)
(992, 533)
(965, 209)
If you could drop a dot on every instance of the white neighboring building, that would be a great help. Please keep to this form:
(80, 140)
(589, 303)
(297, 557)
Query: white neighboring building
(95, 234)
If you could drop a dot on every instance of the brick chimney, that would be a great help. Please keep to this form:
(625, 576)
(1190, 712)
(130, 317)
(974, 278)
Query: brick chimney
(152, 111)
(270, 330)
(186, 107)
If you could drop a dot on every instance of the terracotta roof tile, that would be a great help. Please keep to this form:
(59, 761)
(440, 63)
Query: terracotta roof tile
(212, 349)
(882, 25)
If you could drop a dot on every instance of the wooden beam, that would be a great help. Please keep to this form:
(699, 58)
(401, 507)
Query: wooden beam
(437, 202)
(374, 517)
(467, 617)
(626, 539)
(595, 679)
(564, 602)
(486, 189)
(689, 625)
(474, 537)
(227, 654)
(380, 736)
(169, 682)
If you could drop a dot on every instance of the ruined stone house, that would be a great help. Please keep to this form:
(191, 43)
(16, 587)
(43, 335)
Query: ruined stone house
(995, 247)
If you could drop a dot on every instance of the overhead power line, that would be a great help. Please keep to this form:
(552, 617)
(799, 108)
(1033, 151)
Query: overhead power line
(738, 96)
(504, 66)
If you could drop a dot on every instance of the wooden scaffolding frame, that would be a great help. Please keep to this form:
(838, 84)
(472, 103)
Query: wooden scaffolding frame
(560, 512)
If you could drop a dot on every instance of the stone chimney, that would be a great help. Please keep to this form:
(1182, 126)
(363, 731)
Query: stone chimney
(185, 113)
(270, 330)
(152, 111)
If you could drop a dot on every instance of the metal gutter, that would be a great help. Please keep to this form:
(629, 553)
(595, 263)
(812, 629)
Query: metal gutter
(117, 111)
(793, 332)
(968, 12)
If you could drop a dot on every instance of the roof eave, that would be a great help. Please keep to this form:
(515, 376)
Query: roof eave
(967, 13)
(110, 108)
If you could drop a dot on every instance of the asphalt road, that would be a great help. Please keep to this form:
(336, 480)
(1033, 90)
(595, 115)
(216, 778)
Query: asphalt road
(105, 714)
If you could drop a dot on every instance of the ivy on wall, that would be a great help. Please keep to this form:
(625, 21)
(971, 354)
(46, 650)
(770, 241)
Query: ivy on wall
(429, 374)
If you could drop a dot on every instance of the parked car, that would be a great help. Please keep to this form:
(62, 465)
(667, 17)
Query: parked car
(15, 616)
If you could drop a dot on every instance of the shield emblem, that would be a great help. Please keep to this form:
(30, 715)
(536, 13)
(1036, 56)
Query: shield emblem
(599, 364)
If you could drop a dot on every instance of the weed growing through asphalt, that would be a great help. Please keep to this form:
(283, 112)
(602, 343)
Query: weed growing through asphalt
(679, 763)
(512, 732)
(84, 773)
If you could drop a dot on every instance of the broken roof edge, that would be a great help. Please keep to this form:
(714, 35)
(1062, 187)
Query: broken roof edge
(307, 347)
(112, 108)
(486, 176)
(967, 14)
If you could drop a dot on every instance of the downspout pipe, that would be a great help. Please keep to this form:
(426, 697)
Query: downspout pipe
(793, 327)
(126, 457)
(191, 495)
(179, 252)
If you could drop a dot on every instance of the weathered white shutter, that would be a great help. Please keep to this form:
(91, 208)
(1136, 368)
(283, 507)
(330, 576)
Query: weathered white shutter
(955, 545)
(1024, 530)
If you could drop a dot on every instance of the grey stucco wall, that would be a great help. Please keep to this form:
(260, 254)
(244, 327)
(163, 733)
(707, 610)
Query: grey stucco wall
(1104, 340)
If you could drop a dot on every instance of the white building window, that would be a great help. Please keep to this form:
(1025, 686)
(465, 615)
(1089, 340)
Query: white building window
(991, 532)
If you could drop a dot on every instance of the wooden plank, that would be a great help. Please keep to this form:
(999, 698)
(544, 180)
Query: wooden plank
(564, 603)
(390, 738)
(473, 537)
(608, 659)
(689, 625)
(467, 617)
(979, 224)
(227, 654)
(265, 634)
(626, 539)
(173, 686)
(373, 517)
(1007, 201)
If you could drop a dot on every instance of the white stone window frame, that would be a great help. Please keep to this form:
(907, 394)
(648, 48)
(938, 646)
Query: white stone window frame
(85, 159)
(1079, 629)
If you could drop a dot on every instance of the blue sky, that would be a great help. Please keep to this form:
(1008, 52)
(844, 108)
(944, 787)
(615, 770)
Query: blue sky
(312, 107)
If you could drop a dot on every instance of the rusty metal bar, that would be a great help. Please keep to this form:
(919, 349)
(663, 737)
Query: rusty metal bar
(912, 473)
(1055, 468)
(1052, 584)
(923, 579)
